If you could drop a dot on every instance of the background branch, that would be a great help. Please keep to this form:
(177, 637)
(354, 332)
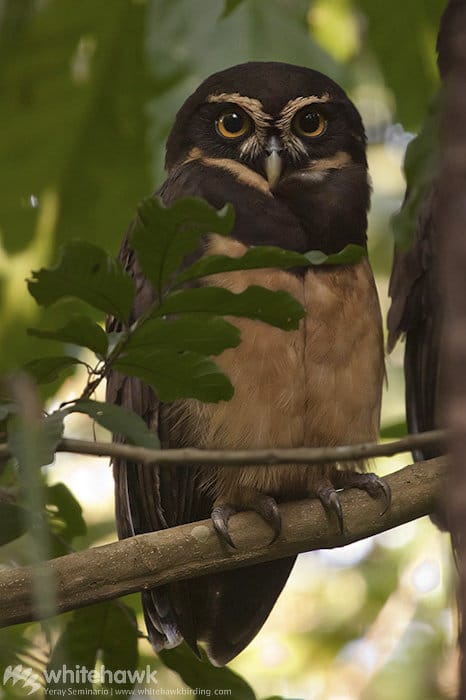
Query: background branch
(152, 559)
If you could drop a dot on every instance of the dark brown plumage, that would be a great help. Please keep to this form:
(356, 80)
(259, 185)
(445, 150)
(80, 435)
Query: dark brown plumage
(416, 312)
(286, 147)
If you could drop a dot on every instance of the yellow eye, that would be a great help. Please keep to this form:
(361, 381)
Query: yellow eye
(309, 123)
(232, 124)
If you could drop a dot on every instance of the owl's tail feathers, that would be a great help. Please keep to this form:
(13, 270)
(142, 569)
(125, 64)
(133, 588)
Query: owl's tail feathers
(233, 605)
(169, 616)
(224, 610)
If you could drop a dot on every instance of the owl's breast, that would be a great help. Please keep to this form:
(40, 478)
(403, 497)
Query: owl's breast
(318, 385)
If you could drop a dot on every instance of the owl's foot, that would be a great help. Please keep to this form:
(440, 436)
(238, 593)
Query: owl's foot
(326, 491)
(327, 495)
(263, 505)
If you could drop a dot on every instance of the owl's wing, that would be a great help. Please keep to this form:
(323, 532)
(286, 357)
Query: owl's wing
(226, 609)
(415, 312)
(149, 498)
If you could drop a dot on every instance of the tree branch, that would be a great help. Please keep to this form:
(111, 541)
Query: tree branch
(296, 455)
(191, 550)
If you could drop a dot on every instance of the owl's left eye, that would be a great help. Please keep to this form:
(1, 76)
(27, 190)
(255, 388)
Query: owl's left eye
(232, 124)
(309, 123)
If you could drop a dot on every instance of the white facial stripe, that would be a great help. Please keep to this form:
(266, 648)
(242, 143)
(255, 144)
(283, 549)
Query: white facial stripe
(340, 160)
(241, 172)
(318, 170)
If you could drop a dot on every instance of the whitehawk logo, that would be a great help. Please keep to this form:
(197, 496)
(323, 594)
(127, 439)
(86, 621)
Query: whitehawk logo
(23, 674)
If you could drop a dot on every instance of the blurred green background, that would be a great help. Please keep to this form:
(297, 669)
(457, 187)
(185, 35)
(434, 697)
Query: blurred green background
(88, 93)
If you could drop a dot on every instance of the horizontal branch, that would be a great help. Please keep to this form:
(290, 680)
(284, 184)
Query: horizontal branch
(296, 455)
(191, 550)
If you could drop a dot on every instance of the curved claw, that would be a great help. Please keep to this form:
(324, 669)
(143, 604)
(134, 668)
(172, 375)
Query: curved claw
(375, 487)
(387, 494)
(220, 516)
(263, 505)
(368, 482)
(329, 499)
(268, 510)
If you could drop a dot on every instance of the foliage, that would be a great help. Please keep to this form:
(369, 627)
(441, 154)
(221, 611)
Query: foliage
(413, 87)
(75, 122)
(198, 673)
(107, 633)
(168, 353)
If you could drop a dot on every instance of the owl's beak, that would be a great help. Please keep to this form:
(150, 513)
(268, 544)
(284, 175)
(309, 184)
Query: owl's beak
(273, 162)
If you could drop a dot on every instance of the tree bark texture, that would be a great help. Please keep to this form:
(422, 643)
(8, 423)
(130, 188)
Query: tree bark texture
(191, 550)
(452, 264)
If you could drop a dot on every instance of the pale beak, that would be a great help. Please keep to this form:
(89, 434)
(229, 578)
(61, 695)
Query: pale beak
(273, 163)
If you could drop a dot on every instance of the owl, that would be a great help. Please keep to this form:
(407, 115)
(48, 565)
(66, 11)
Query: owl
(286, 147)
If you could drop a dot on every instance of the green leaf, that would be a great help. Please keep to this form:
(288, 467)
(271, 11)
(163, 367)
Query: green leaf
(80, 330)
(45, 436)
(201, 674)
(420, 167)
(177, 375)
(19, 646)
(48, 369)
(68, 521)
(206, 336)
(415, 37)
(118, 420)
(275, 307)
(93, 107)
(394, 430)
(253, 259)
(93, 99)
(105, 632)
(33, 442)
(87, 273)
(349, 255)
(14, 519)
(163, 236)
(230, 6)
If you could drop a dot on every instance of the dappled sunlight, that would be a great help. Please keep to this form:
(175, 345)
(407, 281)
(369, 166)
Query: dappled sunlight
(15, 268)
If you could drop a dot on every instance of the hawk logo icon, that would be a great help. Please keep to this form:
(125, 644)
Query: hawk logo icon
(23, 674)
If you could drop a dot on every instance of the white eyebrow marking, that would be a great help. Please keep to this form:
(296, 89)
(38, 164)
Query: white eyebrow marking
(250, 105)
(291, 107)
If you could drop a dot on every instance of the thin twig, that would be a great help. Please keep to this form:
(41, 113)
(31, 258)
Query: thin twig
(297, 455)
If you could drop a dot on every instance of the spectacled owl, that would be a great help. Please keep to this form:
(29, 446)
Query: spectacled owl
(287, 148)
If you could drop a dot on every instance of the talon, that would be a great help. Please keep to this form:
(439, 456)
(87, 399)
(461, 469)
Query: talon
(220, 516)
(371, 483)
(387, 495)
(263, 505)
(268, 509)
(329, 499)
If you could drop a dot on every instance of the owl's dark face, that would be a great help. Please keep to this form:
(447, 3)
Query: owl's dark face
(275, 138)
(278, 120)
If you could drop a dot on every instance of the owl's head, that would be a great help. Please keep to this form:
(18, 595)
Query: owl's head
(277, 119)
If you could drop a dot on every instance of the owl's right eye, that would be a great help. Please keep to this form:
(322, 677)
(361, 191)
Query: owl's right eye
(232, 124)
